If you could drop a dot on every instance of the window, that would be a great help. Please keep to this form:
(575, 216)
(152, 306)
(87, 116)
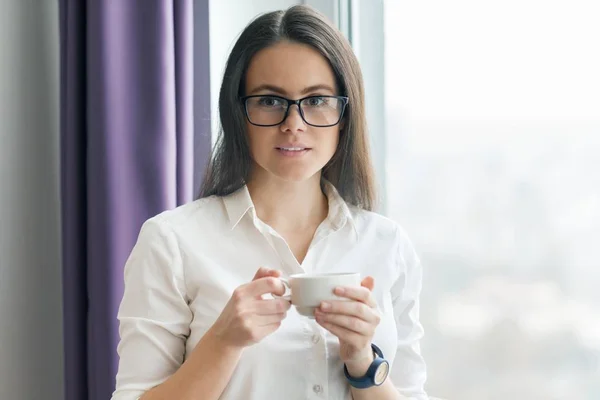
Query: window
(493, 168)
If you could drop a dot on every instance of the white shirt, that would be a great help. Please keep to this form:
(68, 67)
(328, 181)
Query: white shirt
(187, 262)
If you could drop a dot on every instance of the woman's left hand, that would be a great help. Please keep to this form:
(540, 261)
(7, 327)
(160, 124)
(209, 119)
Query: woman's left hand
(354, 323)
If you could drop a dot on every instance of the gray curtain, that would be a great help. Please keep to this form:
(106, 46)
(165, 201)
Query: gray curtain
(127, 153)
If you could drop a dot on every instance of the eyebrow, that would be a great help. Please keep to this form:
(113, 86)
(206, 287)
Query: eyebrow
(279, 90)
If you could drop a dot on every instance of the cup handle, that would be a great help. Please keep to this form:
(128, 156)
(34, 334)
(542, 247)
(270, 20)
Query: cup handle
(288, 290)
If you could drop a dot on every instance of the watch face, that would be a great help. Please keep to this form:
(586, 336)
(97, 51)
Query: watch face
(381, 373)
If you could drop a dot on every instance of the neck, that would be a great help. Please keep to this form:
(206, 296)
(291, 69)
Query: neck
(288, 206)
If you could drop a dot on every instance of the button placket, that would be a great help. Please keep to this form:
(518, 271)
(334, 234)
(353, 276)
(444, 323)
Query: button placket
(319, 359)
(316, 338)
(318, 389)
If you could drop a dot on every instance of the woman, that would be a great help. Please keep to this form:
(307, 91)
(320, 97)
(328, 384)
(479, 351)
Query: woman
(289, 190)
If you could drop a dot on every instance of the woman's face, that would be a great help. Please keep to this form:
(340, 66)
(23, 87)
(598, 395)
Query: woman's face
(292, 150)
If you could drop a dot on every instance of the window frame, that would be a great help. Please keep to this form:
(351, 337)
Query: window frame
(363, 24)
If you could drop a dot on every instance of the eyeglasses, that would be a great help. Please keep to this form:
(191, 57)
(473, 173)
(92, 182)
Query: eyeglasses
(319, 111)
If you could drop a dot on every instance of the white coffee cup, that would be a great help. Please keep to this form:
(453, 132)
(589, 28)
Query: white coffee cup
(308, 290)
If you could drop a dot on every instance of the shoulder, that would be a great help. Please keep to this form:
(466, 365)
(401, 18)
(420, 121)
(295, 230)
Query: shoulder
(192, 217)
(370, 222)
(385, 230)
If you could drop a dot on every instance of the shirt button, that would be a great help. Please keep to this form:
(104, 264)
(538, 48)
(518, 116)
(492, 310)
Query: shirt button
(316, 338)
(317, 388)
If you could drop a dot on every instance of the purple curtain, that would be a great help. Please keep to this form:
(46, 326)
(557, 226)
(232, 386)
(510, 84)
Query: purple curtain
(127, 149)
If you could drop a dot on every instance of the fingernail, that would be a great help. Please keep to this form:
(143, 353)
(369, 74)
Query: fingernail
(325, 305)
(339, 290)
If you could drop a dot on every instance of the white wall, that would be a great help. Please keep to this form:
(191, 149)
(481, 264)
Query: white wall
(31, 350)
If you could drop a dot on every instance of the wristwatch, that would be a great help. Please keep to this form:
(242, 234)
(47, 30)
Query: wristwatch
(376, 374)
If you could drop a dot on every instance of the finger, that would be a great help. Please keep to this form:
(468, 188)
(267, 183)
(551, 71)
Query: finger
(353, 324)
(266, 330)
(342, 333)
(265, 285)
(263, 272)
(275, 273)
(266, 320)
(275, 306)
(260, 273)
(359, 293)
(355, 309)
(369, 283)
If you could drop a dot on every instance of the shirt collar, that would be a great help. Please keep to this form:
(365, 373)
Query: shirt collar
(237, 205)
(240, 203)
(339, 212)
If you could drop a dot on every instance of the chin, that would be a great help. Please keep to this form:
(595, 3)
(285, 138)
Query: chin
(289, 173)
(295, 176)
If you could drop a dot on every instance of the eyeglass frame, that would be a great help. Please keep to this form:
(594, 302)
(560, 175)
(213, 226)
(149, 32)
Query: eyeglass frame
(297, 102)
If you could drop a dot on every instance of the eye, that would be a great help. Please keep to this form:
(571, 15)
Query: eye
(317, 101)
(270, 101)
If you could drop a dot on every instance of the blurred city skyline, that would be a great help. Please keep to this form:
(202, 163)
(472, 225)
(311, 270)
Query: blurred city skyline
(493, 169)
(508, 232)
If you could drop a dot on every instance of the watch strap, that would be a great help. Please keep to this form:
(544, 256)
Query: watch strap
(368, 380)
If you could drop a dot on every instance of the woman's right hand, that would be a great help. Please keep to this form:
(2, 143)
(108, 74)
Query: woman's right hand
(248, 318)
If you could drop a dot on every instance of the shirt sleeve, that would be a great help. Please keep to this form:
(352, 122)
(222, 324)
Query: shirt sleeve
(154, 315)
(408, 372)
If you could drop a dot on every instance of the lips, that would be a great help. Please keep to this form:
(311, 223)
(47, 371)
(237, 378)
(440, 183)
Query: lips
(293, 147)
(294, 151)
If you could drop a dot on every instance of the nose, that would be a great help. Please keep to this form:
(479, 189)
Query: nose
(294, 121)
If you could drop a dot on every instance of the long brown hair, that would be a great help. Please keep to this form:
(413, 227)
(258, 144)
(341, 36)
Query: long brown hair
(350, 170)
